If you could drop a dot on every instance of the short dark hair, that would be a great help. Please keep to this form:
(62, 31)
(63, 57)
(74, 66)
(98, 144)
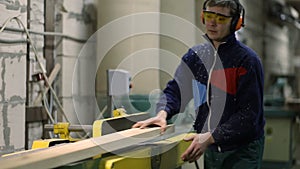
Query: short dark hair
(233, 5)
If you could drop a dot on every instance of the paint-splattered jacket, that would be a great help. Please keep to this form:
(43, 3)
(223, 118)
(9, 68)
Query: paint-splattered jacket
(235, 92)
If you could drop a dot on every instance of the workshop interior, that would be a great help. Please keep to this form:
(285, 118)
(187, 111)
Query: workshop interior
(77, 74)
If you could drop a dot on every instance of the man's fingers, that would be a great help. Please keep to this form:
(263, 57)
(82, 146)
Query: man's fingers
(195, 157)
(149, 122)
(137, 125)
(144, 125)
(141, 124)
(189, 138)
(186, 155)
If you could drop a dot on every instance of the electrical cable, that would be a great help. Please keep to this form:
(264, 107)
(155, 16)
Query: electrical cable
(207, 96)
(196, 164)
(45, 103)
(5, 23)
(46, 106)
(19, 22)
(47, 110)
(42, 67)
(44, 74)
(38, 60)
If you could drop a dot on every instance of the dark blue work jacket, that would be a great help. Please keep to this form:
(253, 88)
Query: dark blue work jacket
(234, 110)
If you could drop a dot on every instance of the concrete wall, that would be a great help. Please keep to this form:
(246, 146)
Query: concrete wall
(75, 19)
(35, 23)
(12, 80)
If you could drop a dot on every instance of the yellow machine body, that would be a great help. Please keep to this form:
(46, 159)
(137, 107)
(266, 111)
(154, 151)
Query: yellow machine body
(161, 154)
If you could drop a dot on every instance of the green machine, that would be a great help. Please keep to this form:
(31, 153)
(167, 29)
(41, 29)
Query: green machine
(281, 132)
(280, 138)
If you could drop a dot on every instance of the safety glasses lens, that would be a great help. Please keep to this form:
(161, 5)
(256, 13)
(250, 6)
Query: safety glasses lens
(219, 18)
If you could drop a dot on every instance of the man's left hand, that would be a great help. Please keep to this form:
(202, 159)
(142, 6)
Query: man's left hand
(198, 146)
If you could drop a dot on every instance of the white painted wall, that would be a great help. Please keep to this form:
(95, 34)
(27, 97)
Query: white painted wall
(125, 53)
(183, 36)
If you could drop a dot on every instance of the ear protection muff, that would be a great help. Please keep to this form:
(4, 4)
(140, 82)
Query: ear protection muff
(203, 9)
(202, 17)
(237, 21)
(239, 24)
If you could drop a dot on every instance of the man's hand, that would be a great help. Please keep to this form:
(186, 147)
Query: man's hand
(197, 147)
(159, 119)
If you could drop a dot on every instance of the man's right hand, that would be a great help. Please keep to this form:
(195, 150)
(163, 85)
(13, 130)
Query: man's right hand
(159, 120)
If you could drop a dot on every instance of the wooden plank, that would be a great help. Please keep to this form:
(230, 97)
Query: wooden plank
(51, 79)
(65, 154)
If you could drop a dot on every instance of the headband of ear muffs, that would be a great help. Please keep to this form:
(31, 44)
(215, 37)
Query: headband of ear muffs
(237, 20)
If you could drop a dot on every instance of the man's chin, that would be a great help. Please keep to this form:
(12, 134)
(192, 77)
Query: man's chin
(214, 37)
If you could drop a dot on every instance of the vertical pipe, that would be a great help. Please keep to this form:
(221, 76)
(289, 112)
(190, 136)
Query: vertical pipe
(109, 96)
(27, 75)
(49, 40)
(264, 4)
(49, 19)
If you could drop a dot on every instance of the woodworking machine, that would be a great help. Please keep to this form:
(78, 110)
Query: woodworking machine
(114, 145)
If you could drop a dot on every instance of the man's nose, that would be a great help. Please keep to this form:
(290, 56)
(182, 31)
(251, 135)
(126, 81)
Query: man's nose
(213, 21)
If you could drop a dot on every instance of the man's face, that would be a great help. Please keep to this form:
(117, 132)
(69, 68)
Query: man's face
(217, 27)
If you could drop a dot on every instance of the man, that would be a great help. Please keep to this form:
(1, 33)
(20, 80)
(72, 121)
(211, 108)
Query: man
(225, 78)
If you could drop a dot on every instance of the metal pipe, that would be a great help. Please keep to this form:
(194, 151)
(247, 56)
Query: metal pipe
(72, 127)
(7, 41)
(45, 34)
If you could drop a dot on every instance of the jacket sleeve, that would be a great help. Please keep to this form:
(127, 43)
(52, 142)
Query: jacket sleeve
(178, 91)
(247, 121)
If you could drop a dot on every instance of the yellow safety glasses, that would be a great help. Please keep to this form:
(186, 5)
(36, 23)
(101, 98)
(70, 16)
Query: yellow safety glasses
(219, 18)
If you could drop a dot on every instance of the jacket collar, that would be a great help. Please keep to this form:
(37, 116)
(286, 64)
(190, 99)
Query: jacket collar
(228, 40)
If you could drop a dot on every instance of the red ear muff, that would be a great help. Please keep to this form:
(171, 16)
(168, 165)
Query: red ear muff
(202, 17)
(239, 24)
